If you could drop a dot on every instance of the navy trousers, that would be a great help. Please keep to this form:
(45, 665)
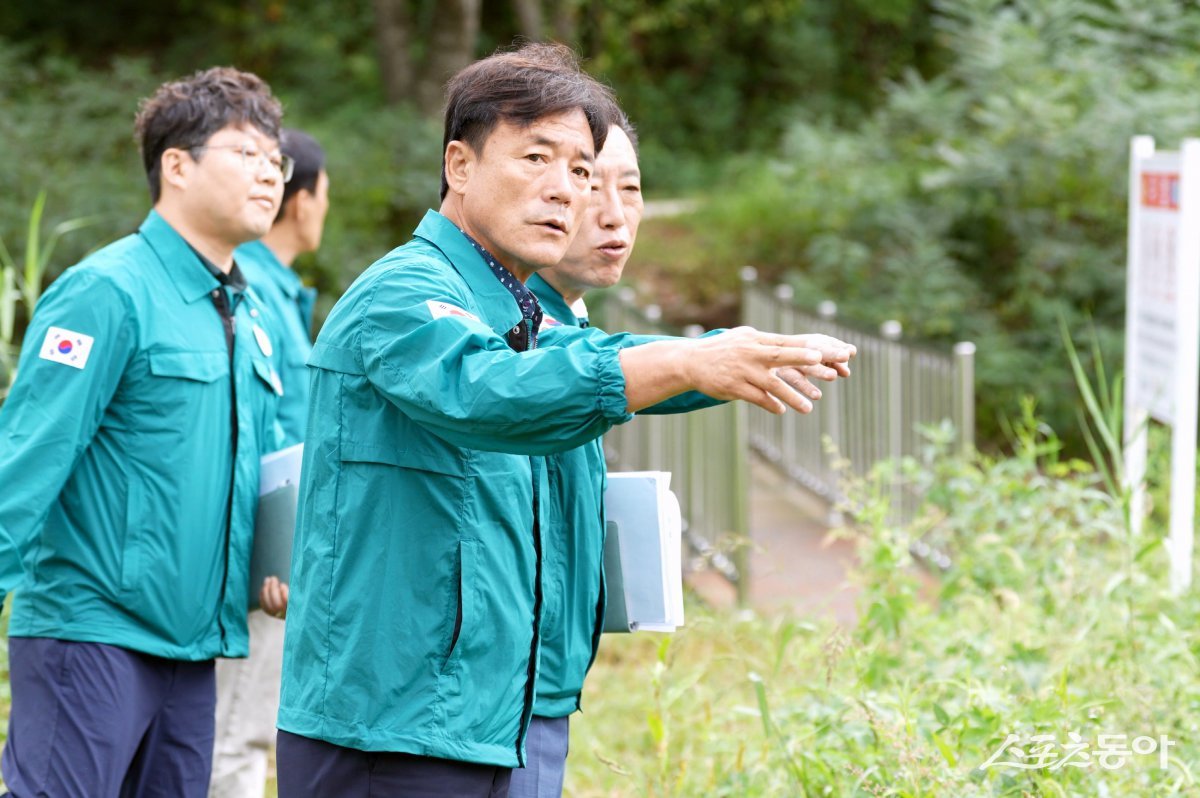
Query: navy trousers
(310, 768)
(546, 747)
(91, 720)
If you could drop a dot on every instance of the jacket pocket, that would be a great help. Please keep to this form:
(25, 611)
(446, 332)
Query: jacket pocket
(197, 366)
(465, 607)
(132, 556)
(420, 459)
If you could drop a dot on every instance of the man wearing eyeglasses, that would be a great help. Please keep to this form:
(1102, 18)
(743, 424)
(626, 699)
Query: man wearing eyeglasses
(129, 447)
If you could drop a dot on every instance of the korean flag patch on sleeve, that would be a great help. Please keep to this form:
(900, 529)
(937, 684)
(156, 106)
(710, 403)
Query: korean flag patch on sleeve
(66, 347)
(440, 309)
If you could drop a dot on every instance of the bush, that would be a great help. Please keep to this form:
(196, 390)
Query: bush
(383, 169)
(70, 132)
(704, 79)
(383, 162)
(1050, 620)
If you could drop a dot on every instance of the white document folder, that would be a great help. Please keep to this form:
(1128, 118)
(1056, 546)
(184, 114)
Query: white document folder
(643, 565)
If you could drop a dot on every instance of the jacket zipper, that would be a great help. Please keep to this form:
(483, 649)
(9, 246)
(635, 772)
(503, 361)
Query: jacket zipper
(531, 677)
(229, 323)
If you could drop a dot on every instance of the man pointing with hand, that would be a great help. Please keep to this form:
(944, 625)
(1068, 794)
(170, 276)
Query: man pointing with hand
(416, 589)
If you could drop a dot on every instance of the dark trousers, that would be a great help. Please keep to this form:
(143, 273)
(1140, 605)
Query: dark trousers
(91, 720)
(310, 768)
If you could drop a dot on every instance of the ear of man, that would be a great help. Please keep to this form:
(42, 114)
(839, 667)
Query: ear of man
(174, 168)
(297, 207)
(460, 162)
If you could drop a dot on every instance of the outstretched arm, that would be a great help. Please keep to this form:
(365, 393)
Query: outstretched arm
(742, 363)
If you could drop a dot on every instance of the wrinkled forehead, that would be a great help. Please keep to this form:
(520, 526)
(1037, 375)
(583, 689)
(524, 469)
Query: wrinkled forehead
(567, 131)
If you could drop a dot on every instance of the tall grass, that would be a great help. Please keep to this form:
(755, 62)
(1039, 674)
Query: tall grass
(1044, 624)
(21, 282)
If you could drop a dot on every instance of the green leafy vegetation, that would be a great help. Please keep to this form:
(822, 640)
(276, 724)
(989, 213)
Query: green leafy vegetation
(21, 283)
(1051, 620)
(978, 204)
(958, 165)
(704, 80)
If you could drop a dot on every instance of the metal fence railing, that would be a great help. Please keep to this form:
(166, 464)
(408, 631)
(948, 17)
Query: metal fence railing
(705, 451)
(896, 389)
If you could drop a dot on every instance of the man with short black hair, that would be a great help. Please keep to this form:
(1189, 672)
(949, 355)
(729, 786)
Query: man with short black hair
(129, 455)
(411, 651)
(248, 689)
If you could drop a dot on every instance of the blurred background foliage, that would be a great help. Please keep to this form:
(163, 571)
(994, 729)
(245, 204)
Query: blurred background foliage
(958, 165)
(978, 203)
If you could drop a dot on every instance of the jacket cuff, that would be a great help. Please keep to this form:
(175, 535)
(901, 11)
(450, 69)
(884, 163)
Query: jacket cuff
(610, 390)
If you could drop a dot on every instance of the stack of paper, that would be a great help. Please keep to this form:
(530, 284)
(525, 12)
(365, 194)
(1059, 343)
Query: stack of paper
(275, 524)
(642, 553)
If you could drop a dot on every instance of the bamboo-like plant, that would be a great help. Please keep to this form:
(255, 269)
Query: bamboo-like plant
(21, 281)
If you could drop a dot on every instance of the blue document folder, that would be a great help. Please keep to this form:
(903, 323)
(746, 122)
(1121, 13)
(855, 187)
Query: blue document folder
(275, 523)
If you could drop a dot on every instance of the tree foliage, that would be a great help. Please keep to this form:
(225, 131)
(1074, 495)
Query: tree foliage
(980, 203)
(957, 164)
(701, 77)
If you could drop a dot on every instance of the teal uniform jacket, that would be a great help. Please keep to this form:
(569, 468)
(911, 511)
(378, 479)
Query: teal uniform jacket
(414, 594)
(126, 517)
(291, 307)
(573, 544)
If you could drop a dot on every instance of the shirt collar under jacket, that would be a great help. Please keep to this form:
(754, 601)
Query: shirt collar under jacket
(187, 272)
(524, 335)
(499, 309)
(235, 281)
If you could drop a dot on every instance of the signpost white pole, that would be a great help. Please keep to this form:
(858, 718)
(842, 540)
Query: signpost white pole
(1136, 416)
(1187, 343)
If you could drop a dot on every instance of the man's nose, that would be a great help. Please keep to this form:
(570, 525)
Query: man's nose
(266, 171)
(609, 212)
(558, 186)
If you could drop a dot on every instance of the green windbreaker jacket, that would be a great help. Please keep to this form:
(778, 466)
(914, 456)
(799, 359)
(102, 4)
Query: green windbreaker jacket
(573, 598)
(126, 516)
(414, 587)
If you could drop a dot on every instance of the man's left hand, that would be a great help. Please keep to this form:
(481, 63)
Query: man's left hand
(273, 598)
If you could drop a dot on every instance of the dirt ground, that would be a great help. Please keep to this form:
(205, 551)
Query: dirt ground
(793, 565)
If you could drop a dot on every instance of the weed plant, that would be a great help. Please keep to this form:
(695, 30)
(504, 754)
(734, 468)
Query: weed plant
(1051, 620)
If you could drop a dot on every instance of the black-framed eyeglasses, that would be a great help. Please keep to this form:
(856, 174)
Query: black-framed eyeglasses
(253, 158)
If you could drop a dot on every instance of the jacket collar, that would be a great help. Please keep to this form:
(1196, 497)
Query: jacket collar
(285, 279)
(183, 266)
(552, 302)
(499, 308)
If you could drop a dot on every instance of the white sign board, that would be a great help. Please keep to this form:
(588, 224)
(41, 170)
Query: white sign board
(1153, 291)
(1162, 330)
